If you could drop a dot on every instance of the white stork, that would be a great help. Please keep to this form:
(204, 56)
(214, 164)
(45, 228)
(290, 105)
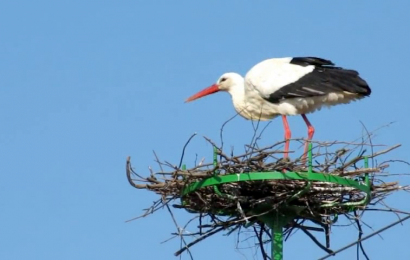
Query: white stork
(289, 86)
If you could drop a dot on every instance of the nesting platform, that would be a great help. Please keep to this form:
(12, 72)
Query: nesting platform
(259, 189)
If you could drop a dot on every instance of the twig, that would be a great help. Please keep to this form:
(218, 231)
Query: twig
(183, 150)
(366, 237)
(314, 239)
(359, 245)
(208, 234)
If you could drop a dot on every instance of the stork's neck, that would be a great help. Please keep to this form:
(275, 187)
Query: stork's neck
(237, 91)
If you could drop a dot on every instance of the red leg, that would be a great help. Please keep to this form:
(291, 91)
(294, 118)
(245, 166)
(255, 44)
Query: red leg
(287, 136)
(311, 132)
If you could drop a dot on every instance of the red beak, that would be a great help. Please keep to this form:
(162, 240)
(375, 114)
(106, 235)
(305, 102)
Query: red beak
(210, 90)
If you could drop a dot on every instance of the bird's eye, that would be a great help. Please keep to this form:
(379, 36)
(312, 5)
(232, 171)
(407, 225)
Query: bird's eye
(222, 79)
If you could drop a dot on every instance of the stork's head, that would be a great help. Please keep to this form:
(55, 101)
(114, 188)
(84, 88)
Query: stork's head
(228, 82)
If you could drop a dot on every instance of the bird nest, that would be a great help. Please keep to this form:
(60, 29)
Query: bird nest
(238, 190)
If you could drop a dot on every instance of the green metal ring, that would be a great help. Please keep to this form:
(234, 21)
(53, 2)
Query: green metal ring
(254, 176)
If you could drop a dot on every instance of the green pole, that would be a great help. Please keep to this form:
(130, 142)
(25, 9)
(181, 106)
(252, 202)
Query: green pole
(275, 222)
(277, 239)
(366, 175)
(310, 158)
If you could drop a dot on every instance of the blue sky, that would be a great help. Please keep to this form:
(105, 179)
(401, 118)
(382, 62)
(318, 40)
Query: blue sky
(84, 84)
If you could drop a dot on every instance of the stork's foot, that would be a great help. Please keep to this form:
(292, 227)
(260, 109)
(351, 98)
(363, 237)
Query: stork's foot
(284, 159)
(283, 163)
(303, 159)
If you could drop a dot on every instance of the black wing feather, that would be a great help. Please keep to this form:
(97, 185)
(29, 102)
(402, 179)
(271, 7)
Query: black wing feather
(324, 79)
(306, 61)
